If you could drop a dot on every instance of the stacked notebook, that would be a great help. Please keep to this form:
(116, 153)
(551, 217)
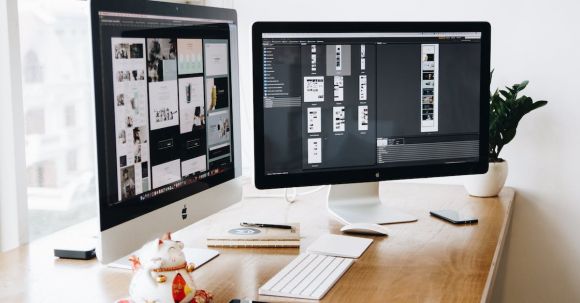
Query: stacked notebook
(235, 235)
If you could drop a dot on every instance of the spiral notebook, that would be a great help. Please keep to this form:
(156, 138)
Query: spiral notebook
(234, 235)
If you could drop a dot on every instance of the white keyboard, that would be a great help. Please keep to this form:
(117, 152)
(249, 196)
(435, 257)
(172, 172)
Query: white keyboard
(309, 276)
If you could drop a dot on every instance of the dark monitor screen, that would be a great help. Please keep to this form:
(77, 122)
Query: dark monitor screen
(355, 102)
(164, 117)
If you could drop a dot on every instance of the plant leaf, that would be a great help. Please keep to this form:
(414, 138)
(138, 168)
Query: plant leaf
(506, 110)
(505, 94)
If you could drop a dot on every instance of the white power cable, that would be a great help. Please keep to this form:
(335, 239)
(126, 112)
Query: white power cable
(290, 194)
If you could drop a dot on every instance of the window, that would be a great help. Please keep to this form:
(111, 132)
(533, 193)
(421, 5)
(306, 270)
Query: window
(69, 116)
(55, 46)
(32, 70)
(71, 161)
(42, 175)
(56, 79)
(34, 121)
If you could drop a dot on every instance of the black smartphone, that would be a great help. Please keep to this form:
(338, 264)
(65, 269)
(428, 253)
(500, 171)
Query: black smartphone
(452, 216)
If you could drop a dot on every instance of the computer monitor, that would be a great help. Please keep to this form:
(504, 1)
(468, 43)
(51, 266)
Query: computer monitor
(167, 118)
(353, 103)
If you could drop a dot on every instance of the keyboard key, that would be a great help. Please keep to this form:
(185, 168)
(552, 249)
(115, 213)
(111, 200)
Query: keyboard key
(309, 276)
(332, 278)
(284, 272)
(315, 273)
(320, 279)
(302, 275)
(293, 273)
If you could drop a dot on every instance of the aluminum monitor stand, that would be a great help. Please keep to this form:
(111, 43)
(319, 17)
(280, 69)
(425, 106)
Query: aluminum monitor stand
(360, 203)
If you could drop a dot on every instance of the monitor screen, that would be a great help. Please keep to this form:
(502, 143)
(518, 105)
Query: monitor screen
(164, 121)
(348, 101)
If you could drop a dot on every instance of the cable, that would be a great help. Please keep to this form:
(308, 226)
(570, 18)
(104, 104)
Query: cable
(290, 194)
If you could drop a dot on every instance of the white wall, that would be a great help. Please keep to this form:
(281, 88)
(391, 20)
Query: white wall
(534, 40)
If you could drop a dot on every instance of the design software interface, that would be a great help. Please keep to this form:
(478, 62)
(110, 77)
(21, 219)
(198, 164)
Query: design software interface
(166, 82)
(336, 100)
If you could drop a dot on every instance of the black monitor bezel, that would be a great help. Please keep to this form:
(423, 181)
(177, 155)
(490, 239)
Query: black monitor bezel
(263, 181)
(122, 213)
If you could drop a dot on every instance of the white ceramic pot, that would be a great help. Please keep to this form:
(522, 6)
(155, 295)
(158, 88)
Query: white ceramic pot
(490, 183)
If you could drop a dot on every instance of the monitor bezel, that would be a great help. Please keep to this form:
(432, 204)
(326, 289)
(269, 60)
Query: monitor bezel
(263, 181)
(122, 214)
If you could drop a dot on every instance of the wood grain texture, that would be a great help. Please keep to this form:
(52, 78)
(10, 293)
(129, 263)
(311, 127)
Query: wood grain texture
(426, 261)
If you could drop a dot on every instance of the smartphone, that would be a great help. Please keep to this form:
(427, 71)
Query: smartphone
(453, 216)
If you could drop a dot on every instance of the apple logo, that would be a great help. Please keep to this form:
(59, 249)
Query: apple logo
(184, 212)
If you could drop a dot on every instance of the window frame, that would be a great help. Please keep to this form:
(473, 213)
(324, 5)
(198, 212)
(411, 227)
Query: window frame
(13, 199)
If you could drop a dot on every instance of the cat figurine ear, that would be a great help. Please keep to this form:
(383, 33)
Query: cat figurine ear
(135, 262)
(166, 236)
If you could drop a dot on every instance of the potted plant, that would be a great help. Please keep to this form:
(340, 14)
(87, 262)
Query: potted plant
(506, 109)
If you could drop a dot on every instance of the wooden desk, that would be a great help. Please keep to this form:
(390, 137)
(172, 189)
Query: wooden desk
(426, 261)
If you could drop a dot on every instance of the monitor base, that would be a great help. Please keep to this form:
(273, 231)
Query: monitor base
(360, 203)
(197, 256)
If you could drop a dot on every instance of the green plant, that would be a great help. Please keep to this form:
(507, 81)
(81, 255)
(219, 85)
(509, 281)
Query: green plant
(506, 109)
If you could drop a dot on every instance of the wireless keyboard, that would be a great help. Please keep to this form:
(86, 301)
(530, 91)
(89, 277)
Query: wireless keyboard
(309, 276)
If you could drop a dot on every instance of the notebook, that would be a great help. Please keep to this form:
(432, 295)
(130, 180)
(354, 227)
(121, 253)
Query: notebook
(234, 235)
(340, 246)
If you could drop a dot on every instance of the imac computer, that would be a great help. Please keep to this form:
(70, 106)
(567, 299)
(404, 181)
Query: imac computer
(167, 118)
(353, 103)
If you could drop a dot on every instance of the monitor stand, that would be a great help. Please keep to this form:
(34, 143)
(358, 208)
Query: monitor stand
(360, 203)
(197, 256)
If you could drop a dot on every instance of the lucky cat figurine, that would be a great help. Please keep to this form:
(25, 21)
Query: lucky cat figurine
(162, 275)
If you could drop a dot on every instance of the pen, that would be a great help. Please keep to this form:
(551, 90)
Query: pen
(245, 224)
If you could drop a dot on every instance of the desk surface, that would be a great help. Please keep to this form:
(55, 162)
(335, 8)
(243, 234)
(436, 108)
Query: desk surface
(429, 260)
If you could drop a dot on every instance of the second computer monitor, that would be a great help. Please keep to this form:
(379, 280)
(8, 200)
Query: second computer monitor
(358, 102)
